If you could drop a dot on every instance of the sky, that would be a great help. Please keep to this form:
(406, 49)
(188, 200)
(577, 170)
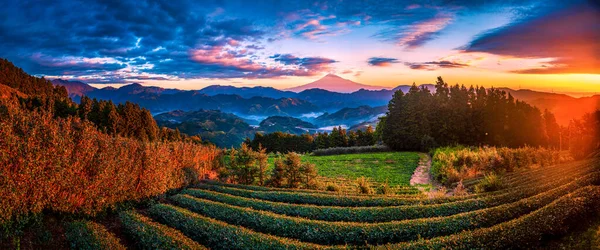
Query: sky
(541, 45)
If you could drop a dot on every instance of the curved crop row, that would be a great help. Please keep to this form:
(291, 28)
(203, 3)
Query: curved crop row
(327, 199)
(463, 203)
(525, 232)
(152, 235)
(219, 235)
(90, 235)
(326, 233)
(376, 214)
(518, 177)
(401, 190)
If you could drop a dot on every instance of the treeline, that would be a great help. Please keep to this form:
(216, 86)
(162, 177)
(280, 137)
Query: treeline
(421, 120)
(247, 166)
(337, 138)
(127, 120)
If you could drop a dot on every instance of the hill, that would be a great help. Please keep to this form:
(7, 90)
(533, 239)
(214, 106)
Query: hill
(285, 124)
(351, 116)
(222, 129)
(76, 89)
(335, 83)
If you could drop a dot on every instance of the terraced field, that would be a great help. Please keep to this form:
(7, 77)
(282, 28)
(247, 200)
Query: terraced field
(535, 204)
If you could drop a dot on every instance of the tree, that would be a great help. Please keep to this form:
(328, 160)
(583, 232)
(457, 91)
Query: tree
(262, 159)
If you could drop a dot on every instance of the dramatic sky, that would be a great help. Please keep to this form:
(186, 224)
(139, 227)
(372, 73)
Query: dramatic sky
(543, 45)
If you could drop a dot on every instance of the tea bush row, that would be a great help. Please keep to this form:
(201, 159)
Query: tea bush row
(152, 235)
(335, 233)
(91, 235)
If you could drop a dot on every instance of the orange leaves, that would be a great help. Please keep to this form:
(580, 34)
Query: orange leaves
(67, 165)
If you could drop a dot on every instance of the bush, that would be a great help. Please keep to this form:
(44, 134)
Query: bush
(525, 232)
(291, 172)
(451, 164)
(351, 150)
(377, 233)
(491, 182)
(219, 235)
(385, 189)
(90, 235)
(332, 187)
(68, 166)
(151, 235)
(385, 214)
(364, 185)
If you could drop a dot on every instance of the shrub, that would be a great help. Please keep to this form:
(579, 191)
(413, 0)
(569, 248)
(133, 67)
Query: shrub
(90, 235)
(219, 235)
(332, 187)
(151, 235)
(385, 214)
(385, 189)
(377, 233)
(351, 150)
(291, 172)
(525, 232)
(460, 189)
(364, 185)
(491, 182)
(451, 164)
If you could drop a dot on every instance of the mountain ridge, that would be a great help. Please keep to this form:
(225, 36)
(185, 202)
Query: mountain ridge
(335, 83)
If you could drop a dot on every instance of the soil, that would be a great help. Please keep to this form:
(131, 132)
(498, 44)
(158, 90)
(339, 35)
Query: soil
(421, 175)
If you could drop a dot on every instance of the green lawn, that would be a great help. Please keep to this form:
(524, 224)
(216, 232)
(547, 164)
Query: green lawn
(394, 167)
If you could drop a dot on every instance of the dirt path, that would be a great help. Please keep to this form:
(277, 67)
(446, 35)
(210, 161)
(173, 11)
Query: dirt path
(421, 175)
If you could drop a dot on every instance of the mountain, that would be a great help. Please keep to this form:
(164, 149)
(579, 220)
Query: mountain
(222, 129)
(351, 116)
(335, 83)
(76, 89)
(285, 124)
(159, 100)
(247, 92)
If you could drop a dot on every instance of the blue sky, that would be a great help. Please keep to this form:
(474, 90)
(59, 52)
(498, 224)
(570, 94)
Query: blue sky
(189, 44)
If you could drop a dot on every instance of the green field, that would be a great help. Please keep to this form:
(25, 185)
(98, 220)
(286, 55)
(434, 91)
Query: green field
(394, 167)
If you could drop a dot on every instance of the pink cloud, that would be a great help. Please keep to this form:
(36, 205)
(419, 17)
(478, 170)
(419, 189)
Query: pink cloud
(422, 32)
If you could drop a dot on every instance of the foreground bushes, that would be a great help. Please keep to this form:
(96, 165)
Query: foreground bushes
(351, 150)
(322, 199)
(384, 214)
(68, 166)
(552, 220)
(377, 233)
(90, 235)
(453, 164)
(151, 235)
(219, 235)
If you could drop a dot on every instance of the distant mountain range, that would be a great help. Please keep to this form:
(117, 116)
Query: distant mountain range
(262, 102)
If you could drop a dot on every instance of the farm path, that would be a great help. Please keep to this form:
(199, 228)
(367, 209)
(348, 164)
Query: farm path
(421, 175)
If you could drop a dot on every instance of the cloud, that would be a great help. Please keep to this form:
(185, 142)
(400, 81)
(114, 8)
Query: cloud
(309, 63)
(435, 65)
(421, 32)
(567, 37)
(381, 61)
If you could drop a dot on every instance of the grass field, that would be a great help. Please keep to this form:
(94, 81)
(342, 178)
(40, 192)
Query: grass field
(394, 167)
